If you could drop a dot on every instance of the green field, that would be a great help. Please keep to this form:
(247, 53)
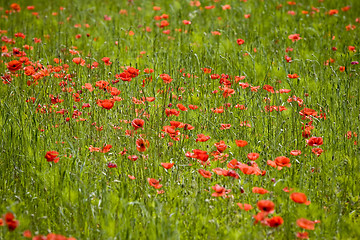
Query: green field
(123, 119)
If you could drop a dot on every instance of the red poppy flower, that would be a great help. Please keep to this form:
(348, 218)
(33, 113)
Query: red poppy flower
(52, 156)
(167, 165)
(131, 177)
(137, 123)
(260, 217)
(259, 190)
(275, 221)
(295, 152)
(244, 206)
(14, 65)
(302, 235)
(221, 146)
(253, 156)
(205, 174)
(106, 148)
(193, 107)
(10, 221)
(219, 191)
(202, 138)
(79, 61)
(308, 112)
(317, 151)
(154, 183)
(133, 157)
(314, 141)
(181, 107)
(240, 41)
(282, 161)
(299, 198)
(107, 104)
(294, 37)
(142, 144)
(166, 78)
(306, 224)
(266, 206)
(241, 143)
(112, 165)
(293, 76)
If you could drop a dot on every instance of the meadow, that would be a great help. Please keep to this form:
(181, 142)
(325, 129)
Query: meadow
(212, 119)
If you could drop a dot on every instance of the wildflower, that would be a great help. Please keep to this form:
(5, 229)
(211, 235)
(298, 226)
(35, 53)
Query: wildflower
(219, 191)
(167, 165)
(137, 123)
(253, 156)
(52, 156)
(107, 104)
(244, 206)
(142, 144)
(14, 65)
(266, 206)
(205, 174)
(154, 183)
(282, 161)
(240, 41)
(221, 146)
(241, 143)
(294, 37)
(275, 221)
(299, 198)
(295, 152)
(306, 224)
(314, 141)
(259, 190)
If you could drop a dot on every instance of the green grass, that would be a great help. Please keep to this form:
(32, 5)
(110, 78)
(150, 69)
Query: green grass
(81, 197)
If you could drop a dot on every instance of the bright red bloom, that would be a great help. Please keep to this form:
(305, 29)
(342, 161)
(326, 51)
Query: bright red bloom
(221, 146)
(253, 156)
(154, 183)
(107, 104)
(10, 221)
(293, 75)
(275, 221)
(282, 161)
(308, 112)
(302, 235)
(244, 206)
(142, 144)
(112, 165)
(241, 143)
(219, 191)
(299, 198)
(14, 65)
(166, 78)
(133, 157)
(306, 224)
(266, 206)
(205, 174)
(240, 41)
(79, 61)
(106, 148)
(259, 190)
(202, 138)
(137, 123)
(317, 151)
(52, 156)
(295, 152)
(315, 141)
(294, 37)
(167, 165)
